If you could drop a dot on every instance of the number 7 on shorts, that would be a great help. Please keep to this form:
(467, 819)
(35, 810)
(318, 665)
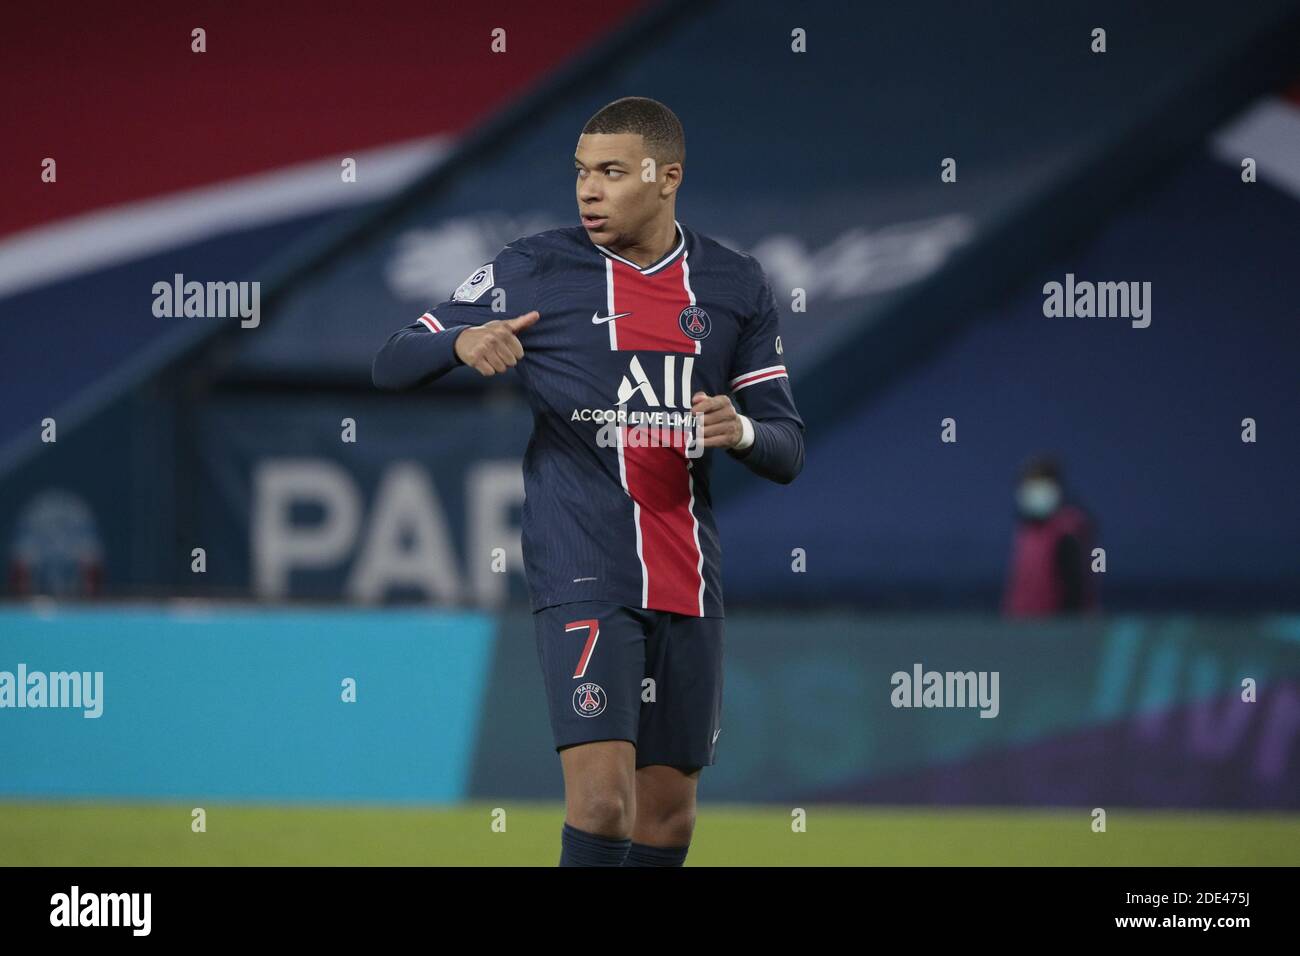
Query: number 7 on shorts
(593, 627)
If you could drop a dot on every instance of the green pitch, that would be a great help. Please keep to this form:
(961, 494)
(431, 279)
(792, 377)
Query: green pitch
(96, 834)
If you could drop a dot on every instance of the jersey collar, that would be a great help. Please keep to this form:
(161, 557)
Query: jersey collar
(654, 266)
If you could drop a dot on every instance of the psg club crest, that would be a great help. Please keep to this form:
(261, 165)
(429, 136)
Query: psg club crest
(589, 700)
(694, 322)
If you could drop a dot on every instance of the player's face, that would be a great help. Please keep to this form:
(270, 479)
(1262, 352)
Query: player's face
(617, 206)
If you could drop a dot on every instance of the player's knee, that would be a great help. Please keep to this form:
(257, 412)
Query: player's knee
(607, 813)
(671, 825)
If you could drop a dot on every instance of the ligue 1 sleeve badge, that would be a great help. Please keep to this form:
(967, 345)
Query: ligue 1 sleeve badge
(589, 700)
(694, 322)
(472, 288)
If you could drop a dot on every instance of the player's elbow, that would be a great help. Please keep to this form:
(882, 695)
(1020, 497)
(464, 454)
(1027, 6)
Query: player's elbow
(384, 374)
(798, 467)
(790, 473)
(794, 464)
(379, 376)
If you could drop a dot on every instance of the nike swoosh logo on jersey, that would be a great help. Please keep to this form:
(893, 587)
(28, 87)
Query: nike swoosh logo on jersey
(596, 318)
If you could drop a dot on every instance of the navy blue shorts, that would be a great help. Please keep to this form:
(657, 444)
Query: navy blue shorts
(625, 673)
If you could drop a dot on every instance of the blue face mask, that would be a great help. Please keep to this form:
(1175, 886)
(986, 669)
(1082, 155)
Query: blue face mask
(1038, 497)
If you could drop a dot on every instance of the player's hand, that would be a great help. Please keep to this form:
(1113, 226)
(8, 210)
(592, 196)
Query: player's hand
(717, 420)
(494, 346)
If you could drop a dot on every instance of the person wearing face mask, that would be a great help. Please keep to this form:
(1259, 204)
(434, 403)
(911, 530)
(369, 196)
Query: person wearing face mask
(1049, 572)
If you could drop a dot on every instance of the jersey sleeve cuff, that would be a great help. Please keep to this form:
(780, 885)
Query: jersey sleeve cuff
(746, 433)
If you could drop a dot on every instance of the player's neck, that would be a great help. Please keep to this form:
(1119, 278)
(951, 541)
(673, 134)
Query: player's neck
(654, 248)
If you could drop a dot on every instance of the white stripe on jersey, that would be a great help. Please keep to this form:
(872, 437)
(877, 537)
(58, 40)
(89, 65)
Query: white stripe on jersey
(758, 375)
(609, 302)
(686, 281)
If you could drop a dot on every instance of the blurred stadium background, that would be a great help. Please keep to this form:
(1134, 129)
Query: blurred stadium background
(369, 560)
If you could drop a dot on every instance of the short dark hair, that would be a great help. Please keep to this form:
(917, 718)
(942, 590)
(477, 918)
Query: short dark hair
(657, 124)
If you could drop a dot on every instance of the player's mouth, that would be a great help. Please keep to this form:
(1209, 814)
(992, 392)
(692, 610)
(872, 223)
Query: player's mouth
(594, 222)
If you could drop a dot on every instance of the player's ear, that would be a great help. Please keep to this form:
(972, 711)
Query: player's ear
(670, 178)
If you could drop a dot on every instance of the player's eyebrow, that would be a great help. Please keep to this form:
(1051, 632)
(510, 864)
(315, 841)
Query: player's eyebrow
(605, 165)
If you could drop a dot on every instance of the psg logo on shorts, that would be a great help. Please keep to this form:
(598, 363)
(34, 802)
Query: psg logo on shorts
(694, 322)
(589, 700)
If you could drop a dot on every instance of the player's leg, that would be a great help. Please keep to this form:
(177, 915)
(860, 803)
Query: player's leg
(665, 815)
(677, 736)
(600, 787)
(592, 656)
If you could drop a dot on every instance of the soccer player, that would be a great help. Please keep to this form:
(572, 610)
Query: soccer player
(635, 338)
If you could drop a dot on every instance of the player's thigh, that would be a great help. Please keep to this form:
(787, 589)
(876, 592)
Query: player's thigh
(600, 776)
(665, 793)
(681, 723)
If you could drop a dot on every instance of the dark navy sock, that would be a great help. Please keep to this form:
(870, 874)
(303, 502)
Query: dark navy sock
(580, 848)
(642, 855)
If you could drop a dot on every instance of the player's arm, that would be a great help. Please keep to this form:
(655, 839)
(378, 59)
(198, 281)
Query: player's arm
(771, 439)
(478, 326)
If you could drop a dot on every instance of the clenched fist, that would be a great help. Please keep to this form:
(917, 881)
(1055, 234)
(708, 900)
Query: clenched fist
(718, 420)
(494, 346)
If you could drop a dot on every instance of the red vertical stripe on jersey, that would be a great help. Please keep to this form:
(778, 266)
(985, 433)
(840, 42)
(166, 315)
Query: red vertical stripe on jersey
(656, 302)
(658, 480)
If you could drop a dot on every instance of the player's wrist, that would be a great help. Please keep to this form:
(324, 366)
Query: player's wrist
(746, 434)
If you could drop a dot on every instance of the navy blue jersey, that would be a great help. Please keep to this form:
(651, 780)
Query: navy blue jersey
(617, 505)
